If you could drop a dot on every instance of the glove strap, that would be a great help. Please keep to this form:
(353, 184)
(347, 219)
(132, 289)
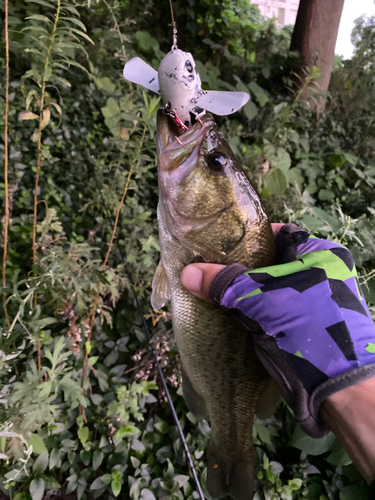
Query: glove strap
(223, 280)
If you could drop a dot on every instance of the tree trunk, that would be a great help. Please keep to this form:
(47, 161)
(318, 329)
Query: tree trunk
(314, 37)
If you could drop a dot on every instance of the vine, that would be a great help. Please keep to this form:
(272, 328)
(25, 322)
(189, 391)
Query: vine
(6, 215)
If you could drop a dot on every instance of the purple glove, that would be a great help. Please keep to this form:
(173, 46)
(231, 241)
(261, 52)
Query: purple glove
(311, 326)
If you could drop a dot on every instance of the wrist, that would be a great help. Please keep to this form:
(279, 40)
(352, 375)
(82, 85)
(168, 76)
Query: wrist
(350, 415)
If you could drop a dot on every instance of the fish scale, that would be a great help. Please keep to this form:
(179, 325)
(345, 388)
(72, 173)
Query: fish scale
(206, 215)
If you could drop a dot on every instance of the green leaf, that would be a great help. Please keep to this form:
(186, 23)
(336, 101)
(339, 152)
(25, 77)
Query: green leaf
(39, 17)
(240, 86)
(77, 65)
(105, 83)
(146, 41)
(92, 360)
(356, 491)
(51, 483)
(263, 433)
(21, 495)
(336, 160)
(275, 181)
(75, 21)
(97, 459)
(71, 9)
(280, 107)
(85, 457)
(106, 478)
(250, 110)
(111, 109)
(38, 444)
(83, 435)
(147, 494)
(128, 430)
(72, 483)
(309, 445)
(88, 347)
(62, 80)
(280, 159)
(80, 33)
(262, 99)
(338, 455)
(54, 458)
(97, 484)
(324, 216)
(42, 2)
(33, 51)
(36, 488)
(256, 89)
(161, 427)
(42, 323)
(295, 176)
(137, 445)
(41, 463)
(266, 72)
(295, 484)
(325, 195)
(116, 487)
(181, 480)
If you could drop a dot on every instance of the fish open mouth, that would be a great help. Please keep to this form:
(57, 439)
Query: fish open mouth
(169, 137)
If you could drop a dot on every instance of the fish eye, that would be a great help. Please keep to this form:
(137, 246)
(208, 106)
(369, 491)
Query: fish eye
(189, 66)
(216, 162)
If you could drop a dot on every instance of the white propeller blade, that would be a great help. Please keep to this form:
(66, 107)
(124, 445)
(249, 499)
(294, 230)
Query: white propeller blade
(222, 102)
(138, 71)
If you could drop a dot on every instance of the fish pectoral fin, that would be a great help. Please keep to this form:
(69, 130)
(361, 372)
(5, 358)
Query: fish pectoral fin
(161, 290)
(229, 477)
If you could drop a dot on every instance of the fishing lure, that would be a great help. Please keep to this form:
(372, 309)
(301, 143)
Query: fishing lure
(180, 87)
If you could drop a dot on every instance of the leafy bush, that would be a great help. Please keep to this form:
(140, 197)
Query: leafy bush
(80, 405)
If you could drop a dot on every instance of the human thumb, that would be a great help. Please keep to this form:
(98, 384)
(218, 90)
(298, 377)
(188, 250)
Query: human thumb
(197, 278)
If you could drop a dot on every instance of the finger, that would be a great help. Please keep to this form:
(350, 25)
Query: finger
(197, 278)
(276, 226)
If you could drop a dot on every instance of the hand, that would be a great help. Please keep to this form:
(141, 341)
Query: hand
(310, 324)
(197, 278)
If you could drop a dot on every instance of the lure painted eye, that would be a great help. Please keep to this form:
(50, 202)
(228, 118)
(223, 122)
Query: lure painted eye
(189, 66)
(216, 162)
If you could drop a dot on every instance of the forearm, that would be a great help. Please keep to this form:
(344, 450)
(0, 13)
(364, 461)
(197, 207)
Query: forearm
(350, 414)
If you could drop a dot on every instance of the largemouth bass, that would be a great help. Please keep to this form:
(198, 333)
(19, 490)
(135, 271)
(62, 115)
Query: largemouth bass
(209, 212)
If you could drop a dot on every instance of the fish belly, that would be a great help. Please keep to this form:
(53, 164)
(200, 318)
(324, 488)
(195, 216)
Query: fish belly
(223, 380)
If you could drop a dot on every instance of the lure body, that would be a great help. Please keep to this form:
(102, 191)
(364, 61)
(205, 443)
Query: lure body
(180, 88)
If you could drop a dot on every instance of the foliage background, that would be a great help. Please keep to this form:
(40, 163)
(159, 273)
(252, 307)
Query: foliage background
(92, 421)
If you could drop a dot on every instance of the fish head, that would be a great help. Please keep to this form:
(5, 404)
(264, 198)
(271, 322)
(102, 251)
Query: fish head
(205, 198)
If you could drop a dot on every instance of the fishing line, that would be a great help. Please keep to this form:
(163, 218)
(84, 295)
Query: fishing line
(174, 28)
(147, 331)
